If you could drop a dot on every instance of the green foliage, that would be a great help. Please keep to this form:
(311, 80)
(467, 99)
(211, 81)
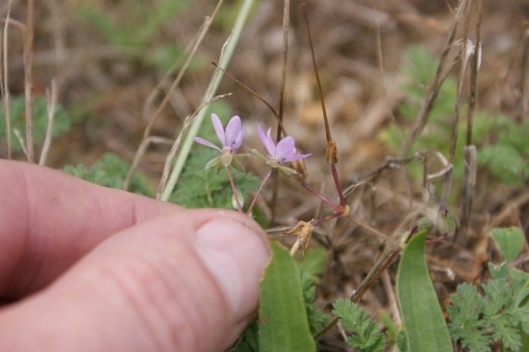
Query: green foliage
(249, 341)
(510, 241)
(501, 312)
(316, 318)
(478, 320)
(419, 70)
(313, 262)
(138, 30)
(283, 321)
(61, 121)
(390, 326)
(110, 171)
(199, 188)
(365, 335)
(421, 313)
(507, 160)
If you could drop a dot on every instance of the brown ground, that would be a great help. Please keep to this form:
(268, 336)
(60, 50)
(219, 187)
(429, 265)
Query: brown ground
(359, 48)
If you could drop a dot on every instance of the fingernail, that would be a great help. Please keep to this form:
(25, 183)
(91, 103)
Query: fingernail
(236, 256)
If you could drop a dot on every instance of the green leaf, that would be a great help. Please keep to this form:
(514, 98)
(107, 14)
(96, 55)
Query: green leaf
(510, 241)
(421, 314)
(313, 262)
(249, 341)
(365, 336)
(499, 271)
(199, 188)
(283, 322)
(61, 120)
(110, 171)
(316, 318)
(465, 324)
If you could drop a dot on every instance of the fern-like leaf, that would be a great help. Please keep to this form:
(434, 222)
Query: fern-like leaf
(465, 324)
(365, 336)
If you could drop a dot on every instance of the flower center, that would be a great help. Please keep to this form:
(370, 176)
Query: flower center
(227, 157)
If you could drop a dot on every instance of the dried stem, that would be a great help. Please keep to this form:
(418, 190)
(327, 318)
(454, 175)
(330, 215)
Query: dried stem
(4, 81)
(433, 89)
(28, 79)
(332, 151)
(52, 102)
(194, 47)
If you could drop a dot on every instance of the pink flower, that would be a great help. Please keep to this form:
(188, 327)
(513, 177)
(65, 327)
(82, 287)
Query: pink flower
(231, 138)
(282, 152)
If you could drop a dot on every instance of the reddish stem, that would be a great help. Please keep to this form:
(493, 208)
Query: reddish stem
(326, 200)
(259, 191)
(234, 190)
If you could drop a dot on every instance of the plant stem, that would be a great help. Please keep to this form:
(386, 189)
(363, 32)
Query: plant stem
(210, 92)
(28, 80)
(326, 200)
(234, 190)
(259, 191)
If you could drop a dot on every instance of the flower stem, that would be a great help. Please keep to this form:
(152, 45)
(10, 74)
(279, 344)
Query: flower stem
(259, 191)
(320, 221)
(338, 185)
(326, 200)
(234, 190)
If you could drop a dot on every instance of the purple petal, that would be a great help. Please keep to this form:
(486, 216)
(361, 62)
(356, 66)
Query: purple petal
(267, 141)
(238, 141)
(296, 157)
(234, 133)
(285, 149)
(219, 130)
(206, 143)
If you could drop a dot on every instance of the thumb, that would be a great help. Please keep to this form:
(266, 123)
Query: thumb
(185, 281)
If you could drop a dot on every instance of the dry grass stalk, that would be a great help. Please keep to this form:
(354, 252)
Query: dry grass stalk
(28, 79)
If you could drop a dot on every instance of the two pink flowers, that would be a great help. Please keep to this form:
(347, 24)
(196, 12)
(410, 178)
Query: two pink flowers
(231, 139)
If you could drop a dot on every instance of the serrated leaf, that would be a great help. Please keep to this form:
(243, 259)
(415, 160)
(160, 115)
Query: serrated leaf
(283, 322)
(365, 336)
(421, 313)
(510, 241)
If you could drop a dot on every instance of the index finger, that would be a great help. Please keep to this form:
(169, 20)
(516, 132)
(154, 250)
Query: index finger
(48, 220)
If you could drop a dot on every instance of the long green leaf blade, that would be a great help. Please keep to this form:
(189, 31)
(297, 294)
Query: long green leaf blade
(283, 324)
(421, 314)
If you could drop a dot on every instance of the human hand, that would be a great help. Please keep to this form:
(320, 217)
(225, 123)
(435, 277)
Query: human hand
(96, 269)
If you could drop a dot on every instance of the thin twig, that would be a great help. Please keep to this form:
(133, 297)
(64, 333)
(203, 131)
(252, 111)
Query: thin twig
(470, 152)
(192, 49)
(433, 89)
(28, 80)
(21, 141)
(522, 101)
(258, 193)
(275, 176)
(52, 101)
(4, 81)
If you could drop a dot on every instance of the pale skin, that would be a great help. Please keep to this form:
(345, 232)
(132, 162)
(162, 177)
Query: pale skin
(86, 268)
